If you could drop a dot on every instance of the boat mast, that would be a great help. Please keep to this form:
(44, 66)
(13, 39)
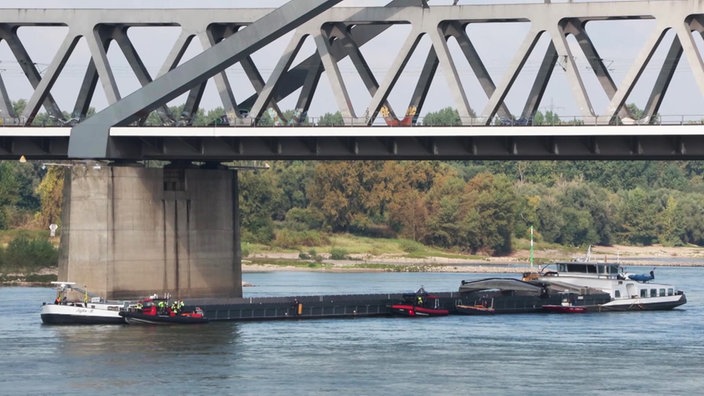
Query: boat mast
(531, 248)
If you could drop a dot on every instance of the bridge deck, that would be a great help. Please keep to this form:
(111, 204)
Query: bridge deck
(653, 142)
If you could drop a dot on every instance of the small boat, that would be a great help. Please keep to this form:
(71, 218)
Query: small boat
(565, 307)
(73, 306)
(420, 303)
(156, 310)
(482, 308)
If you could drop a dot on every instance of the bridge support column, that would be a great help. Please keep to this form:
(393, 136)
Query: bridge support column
(131, 231)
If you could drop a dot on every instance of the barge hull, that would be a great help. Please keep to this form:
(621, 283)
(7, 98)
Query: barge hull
(361, 305)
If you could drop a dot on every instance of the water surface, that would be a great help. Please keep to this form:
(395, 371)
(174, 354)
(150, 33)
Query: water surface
(632, 353)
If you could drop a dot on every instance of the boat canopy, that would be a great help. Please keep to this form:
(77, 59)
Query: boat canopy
(501, 284)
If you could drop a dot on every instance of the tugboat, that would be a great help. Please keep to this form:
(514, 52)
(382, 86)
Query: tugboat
(420, 303)
(628, 292)
(155, 310)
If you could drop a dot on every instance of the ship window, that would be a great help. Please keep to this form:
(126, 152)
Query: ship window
(644, 293)
(653, 292)
(661, 292)
(617, 293)
(670, 292)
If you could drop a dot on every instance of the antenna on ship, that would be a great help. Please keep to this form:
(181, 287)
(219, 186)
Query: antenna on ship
(531, 248)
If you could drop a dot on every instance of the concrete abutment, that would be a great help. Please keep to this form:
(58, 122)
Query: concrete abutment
(132, 231)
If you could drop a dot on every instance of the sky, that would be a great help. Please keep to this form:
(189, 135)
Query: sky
(496, 43)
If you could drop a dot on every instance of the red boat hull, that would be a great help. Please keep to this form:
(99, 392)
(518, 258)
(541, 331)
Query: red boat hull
(414, 310)
(564, 309)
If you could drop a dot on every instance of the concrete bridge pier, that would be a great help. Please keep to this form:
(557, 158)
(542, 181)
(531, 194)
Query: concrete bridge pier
(130, 231)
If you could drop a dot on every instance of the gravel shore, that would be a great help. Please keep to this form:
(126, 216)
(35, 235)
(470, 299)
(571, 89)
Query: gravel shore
(657, 256)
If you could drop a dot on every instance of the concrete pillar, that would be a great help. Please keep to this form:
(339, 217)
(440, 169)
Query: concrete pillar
(130, 231)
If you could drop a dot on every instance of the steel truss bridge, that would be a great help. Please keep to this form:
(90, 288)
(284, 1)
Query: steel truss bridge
(231, 36)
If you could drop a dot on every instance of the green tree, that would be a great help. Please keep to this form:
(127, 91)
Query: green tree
(549, 118)
(551, 221)
(345, 192)
(265, 119)
(216, 117)
(292, 177)
(8, 192)
(690, 208)
(50, 191)
(442, 203)
(18, 107)
(331, 119)
(487, 210)
(528, 198)
(402, 193)
(636, 217)
(585, 213)
(670, 224)
(256, 205)
(444, 117)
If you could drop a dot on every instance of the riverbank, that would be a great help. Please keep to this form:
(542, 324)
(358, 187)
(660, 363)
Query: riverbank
(517, 262)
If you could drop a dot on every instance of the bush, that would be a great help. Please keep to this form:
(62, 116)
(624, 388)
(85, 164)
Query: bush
(361, 226)
(301, 219)
(36, 278)
(23, 253)
(409, 246)
(288, 239)
(263, 234)
(338, 254)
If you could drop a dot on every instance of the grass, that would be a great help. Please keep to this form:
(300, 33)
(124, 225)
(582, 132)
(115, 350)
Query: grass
(356, 245)
(8, 235)
(290, 263)
(362, 246)
(352, 245)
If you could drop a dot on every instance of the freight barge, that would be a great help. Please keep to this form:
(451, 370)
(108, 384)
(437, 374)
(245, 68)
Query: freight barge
(370, 305)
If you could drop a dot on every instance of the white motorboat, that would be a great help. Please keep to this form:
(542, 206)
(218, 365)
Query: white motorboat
(73, 306)
(629, 292)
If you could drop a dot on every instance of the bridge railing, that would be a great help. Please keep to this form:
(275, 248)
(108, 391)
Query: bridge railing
(668, 119)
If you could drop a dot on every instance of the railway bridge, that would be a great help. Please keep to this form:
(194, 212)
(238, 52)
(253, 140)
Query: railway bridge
(129, 229)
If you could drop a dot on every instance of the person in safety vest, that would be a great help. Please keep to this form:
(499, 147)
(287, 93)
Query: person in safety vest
(162, 307)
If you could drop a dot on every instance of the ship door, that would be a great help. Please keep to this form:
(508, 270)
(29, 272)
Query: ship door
(632, 290)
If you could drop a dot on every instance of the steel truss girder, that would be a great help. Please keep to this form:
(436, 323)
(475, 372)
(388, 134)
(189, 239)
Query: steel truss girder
(340, 33)
(480, 145)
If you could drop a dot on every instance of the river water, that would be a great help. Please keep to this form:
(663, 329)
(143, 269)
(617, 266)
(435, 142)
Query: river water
(631, 353)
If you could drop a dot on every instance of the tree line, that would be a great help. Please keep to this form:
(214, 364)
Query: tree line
(477, 206)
